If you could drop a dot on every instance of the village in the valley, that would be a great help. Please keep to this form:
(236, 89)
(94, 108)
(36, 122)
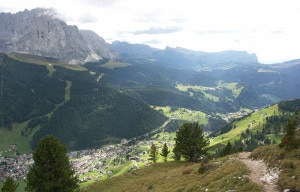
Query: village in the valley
(90, 164)
(94, 164)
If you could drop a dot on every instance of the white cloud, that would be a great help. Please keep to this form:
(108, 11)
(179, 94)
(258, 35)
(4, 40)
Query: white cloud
(269, 28)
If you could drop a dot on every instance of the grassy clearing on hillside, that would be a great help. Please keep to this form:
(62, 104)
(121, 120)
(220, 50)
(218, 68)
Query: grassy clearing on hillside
(14, 136)
(232, 86)
(184, 114)
(44, 61)
(224, 174)
(111, 64)
(68, 91)
(288, 161)
(199, 88)
(256, 120)
(184, 88)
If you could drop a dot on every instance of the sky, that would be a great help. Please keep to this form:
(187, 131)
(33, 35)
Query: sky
(268, 28)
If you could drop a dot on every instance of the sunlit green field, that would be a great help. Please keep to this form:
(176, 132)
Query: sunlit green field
(111, 64)
(234, 87)
(236, 90)
(256, 119)
(14, 136)
(44, 61)
(184, 114)
(202, 89)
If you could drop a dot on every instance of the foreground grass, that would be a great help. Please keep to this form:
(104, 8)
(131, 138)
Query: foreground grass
(223, 175)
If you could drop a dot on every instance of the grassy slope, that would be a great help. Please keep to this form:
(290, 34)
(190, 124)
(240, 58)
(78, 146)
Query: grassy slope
(242, 125)
(184, 114)
(14, 136)
(224, 174)
(112, 64)
(236, 90)
(202, 89)
(44, 61)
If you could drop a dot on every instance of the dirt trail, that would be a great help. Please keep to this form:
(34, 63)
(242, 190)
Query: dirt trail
(260, 173)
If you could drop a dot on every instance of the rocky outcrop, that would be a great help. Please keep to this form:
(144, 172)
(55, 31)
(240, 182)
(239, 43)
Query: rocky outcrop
(40, 32)
(95, 42)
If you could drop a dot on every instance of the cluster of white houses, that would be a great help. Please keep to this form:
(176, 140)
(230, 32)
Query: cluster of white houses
(84, 161)
(15, 167)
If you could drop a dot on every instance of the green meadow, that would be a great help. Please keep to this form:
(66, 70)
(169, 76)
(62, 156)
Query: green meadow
(254, 122)
(236, 90)
(199, 88)
(183, 114)
(49, 62)
(111, 64)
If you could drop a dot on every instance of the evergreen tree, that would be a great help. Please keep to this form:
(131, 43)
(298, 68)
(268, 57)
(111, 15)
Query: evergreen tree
(9, 185)
(153, 153)
(165, 151)
(227, 149)
(190, 142)
(51, 171)
(289, 140)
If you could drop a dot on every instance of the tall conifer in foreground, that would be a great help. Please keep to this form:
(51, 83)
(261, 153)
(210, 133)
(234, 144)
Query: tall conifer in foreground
(51, 171)
(190, 142)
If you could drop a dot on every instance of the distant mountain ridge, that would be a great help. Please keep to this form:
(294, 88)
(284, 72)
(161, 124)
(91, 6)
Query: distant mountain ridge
(40, 32)
(127, 49)
(210, 82)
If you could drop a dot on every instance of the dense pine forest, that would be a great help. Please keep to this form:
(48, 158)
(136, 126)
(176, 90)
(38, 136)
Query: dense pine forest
(70, 104)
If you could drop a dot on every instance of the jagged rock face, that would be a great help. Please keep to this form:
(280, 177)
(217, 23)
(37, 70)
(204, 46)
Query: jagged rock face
(95, 42)
(39, 32)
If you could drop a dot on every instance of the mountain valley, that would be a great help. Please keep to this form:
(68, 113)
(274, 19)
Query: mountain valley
(108, 103)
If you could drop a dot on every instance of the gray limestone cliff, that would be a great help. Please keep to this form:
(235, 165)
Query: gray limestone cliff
(40, 32)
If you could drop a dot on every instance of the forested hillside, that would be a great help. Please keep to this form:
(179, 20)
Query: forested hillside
(220, 82)
(104, 101)
(50, 98)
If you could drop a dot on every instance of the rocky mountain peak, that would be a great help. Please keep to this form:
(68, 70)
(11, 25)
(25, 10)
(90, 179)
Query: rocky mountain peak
(40, 32)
